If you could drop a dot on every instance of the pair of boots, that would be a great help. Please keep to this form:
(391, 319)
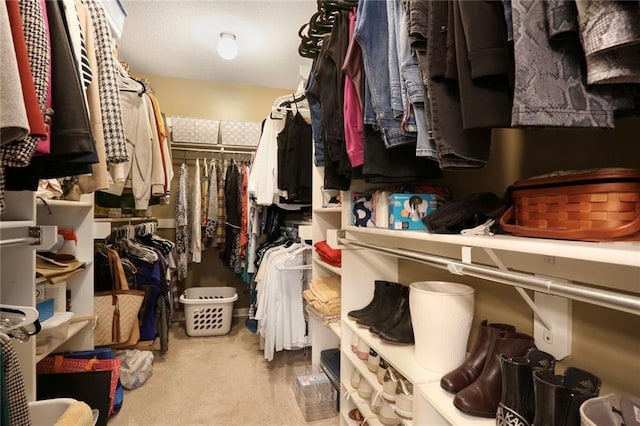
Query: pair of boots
(533, 395)
(387, 315)
(477, 383)
(517, 405)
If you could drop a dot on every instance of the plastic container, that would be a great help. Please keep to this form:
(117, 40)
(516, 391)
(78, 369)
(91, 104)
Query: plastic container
(208, 310)
(54, 332)
(441, 315)
(46, 412)
(57, 292)
(45, 309)
(315, 394)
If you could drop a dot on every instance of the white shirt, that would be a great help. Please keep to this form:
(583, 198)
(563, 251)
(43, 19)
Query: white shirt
(263, 179)
(280, 312)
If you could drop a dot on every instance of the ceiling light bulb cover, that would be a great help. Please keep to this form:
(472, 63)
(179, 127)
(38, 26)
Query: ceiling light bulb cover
(227, 46)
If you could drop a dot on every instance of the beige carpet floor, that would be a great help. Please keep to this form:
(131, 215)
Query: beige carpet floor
(217, 380)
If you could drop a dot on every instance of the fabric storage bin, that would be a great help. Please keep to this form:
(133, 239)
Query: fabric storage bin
(589, 205)
(208, 310)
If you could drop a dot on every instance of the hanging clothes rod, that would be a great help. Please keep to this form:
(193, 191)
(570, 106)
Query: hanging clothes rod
(231, 149)
(608, 299)
(33, 238)
(18, 241)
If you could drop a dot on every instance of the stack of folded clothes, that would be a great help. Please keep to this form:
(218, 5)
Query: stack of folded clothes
(327, 254)
(323, 299)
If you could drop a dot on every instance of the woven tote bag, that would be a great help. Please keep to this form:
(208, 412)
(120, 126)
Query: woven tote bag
(116, 310)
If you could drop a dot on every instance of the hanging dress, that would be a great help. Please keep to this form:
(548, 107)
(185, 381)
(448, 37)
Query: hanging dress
(211, 225)
(196, 221)
(182, 223)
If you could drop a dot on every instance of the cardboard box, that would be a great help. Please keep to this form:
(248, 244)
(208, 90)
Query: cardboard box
(381, 208)
(406, 211)
(362, 209)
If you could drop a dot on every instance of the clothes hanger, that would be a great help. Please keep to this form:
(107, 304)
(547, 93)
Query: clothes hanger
(19, 322)
(14, 316)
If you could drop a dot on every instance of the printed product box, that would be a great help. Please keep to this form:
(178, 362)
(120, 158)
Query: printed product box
(362, 209)
(406, 211)
(381, 208)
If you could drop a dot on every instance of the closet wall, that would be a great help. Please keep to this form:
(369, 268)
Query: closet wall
(204, 99)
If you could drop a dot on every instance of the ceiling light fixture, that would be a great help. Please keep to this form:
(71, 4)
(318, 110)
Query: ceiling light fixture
(227, 46)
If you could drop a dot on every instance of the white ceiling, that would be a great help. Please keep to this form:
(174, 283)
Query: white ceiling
(178, 39)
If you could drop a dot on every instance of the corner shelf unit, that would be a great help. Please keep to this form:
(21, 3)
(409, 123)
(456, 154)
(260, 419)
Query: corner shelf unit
(18, 269)
(325, 219)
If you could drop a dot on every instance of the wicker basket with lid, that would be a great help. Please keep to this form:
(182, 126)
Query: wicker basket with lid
(588, 205)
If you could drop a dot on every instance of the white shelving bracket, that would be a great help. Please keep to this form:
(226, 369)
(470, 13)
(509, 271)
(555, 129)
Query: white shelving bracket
(551, 317)
(557, 310)
(465, 257)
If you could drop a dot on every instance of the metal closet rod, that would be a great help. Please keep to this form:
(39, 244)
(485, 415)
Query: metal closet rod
(609, 299)
(231, 149)
(33, 238)
(18, 241)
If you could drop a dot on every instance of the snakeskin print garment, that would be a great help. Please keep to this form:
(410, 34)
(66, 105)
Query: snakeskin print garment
(550, 76)
(610, 34)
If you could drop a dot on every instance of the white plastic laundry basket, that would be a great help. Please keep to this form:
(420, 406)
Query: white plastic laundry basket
(208, 310)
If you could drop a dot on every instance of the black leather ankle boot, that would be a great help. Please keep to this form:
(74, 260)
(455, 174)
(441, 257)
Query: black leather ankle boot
(517, 405)
(558, 398)
(391, 292)
(401, 304)
(378, 296)
(398, 329)
(461, 377)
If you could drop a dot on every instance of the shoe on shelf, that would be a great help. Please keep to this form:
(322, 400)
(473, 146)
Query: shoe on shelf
(375, 402)
(387, 415)
(378, 290)
(365, 390)
(384, 309)
(482, 397)
(401, 304)
(373, 362)
(356, 415)
(461, 377)
(390, 385)
(404, 399)
(354, 343)
(558, 397)
(382, 370)
(401, 332)
(363, 350)
(517, 385)
(601, 411)
(355, 379)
